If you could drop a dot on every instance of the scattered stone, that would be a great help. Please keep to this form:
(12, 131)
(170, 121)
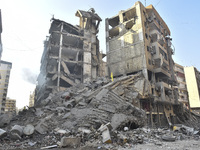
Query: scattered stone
(42, 128)
(28, 129)
(5, 119)
(168, 138)
(16, 132)
(70, 142)
(3, 133)
(31, 143)
(48, 147)
(105, 133)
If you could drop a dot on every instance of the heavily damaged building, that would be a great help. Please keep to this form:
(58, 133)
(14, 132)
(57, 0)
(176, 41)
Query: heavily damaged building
(138, 40)
(71, 54)
(182, 87)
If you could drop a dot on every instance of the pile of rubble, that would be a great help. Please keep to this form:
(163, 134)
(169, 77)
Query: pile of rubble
(84, 112)
(98, 114)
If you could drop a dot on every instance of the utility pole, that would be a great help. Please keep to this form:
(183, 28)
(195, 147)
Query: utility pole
(59, 57)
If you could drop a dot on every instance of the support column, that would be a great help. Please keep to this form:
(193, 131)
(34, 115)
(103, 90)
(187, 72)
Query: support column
(59, 57)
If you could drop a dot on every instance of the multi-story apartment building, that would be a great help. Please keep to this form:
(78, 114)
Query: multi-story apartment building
(71, 55)
(5, 68)
(138, 39)
(181, 87)
(192, 76)
(1, 49)
(10, 106)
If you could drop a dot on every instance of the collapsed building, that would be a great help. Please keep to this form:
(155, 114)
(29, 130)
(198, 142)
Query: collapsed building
(138, 39)
(71, 55)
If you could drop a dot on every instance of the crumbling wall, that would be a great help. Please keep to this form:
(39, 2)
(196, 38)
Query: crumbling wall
(125, 42)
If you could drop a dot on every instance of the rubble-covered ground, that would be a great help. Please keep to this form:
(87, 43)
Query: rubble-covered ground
(97, 115)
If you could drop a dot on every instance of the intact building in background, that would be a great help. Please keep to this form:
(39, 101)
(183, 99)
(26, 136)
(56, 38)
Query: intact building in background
(182, 87)
(10, 106)
(5, 68)
(71, 55)
(1, 49)
(192, 76)
(138, 40)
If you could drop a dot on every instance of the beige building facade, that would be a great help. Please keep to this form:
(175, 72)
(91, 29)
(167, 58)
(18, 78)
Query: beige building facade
(192, 76)
(10, 106)
(5, 69)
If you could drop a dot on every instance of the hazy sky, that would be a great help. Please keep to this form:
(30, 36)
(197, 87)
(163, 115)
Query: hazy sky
(26, 24)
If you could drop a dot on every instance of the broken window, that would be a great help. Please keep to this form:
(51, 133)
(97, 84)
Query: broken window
(163, 53)
(146, 35)
(114, 21)
(149, 75)
(114, 32)
(130, 14)
(149, 61)
(129, 24)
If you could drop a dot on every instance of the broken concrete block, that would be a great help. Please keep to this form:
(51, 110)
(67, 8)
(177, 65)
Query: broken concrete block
(66, 95)
(41, 128)
(28, 129)
(70, 104)
(105, 133)
(187, 130)
(168, 138)
(67, 115)
(102, 93)
(84, 130)
(61, 131)
(16, 132)
(108, 108)
(3, 133)
(5, 119)
(117, 120)
(70, 142)
(39, 112)
(60, 109)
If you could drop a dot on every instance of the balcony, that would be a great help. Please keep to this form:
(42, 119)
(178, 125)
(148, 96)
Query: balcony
(162, 72)
(156, 36)
(165, 91)
(154, 25)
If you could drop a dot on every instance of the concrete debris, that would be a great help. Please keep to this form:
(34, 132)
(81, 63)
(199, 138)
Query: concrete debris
(16, 132)
(5, 119)
(3, 133)
(28, 129)
(70, 142)
(49, 147)
(168, 138)
(105, 133)
(94, 115)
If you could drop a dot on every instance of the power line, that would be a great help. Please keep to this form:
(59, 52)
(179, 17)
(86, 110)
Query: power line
(157, 3)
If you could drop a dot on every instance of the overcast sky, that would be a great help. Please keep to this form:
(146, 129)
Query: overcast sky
(26, 24)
